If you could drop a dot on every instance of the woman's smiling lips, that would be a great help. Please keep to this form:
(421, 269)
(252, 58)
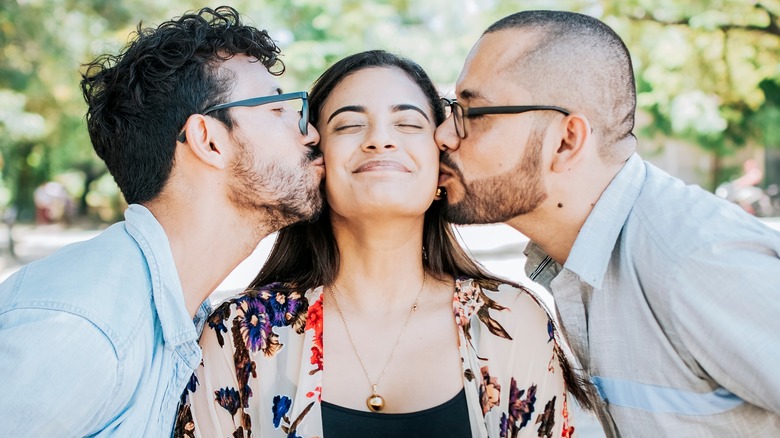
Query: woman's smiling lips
(381, 165)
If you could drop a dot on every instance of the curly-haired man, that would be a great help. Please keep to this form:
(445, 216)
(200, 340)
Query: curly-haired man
(98, 339)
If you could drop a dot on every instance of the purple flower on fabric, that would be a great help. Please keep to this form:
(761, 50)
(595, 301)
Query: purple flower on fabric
(253, 319)
(550, 330)
(284, 307)
(228, 399)
(261, 310)
(193, 383)
(191, 386)
(527, 405)
(504, 426)
(297, 309)
(277, 309)
(521, 410)
(217, 321)
(280, 407)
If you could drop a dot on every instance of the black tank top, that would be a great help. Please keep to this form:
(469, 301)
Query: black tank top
(448, 420)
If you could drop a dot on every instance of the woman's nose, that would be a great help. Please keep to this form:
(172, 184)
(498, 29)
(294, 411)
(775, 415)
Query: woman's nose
(379, 138)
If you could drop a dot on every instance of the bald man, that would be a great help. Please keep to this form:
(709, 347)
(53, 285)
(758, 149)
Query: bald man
(669, 295)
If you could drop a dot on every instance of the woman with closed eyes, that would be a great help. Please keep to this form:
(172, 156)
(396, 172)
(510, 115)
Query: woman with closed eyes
(372, 320)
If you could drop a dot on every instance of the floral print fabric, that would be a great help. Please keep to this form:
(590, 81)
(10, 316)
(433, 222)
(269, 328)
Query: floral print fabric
(263, 359)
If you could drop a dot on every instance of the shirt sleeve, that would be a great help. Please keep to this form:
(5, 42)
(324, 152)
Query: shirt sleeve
(726, 301)
(58, 373)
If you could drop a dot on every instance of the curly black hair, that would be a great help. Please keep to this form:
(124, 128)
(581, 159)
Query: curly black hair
(140, 99)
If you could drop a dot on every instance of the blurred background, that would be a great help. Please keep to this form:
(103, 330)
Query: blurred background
(708, 78)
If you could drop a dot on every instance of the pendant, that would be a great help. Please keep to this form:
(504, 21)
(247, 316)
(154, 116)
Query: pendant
(375, 402)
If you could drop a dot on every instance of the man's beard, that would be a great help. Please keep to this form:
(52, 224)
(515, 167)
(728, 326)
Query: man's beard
(281, 195)
(501, 197)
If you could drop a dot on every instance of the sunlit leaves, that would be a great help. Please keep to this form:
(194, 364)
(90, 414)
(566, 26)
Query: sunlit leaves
(16, 124)
(707, 70)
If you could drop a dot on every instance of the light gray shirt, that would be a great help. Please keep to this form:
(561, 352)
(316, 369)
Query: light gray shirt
(670, 299)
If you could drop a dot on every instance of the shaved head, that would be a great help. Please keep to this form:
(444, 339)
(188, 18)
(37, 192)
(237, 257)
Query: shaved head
(577, 62)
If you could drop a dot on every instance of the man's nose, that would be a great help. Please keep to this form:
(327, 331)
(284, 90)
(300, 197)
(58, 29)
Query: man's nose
(312, 137)
(446, 137)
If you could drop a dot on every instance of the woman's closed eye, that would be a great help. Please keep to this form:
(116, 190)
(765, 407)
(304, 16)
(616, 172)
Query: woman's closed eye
(411, 124)
(348, 126)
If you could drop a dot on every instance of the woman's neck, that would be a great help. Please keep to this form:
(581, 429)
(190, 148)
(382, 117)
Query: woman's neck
(381, 264)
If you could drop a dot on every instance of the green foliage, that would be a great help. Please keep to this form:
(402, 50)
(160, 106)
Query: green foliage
(700, 66)
(707, 71)
(766, 121)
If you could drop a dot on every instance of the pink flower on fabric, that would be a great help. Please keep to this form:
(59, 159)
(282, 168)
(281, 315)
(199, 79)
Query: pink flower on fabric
(467, 301)
(489, 391)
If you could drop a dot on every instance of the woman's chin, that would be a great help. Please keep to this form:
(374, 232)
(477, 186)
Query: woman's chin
(385, 207)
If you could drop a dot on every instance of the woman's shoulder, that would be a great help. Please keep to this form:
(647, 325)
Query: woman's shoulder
(260, 317)
(510, 311)
(263, 293)
(512, 296)
(270, 299)
(506, 309)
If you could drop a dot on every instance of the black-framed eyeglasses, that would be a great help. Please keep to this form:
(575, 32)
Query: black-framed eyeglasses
(303, 123)
(461, 114)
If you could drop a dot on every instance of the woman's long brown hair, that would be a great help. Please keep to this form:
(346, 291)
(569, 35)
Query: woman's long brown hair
(306, 255)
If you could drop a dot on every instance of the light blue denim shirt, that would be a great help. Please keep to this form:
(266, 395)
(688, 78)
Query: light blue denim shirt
(670, 299)
(95, 340)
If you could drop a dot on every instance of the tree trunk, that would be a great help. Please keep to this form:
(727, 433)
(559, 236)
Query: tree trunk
(715, 169)
(26, 182)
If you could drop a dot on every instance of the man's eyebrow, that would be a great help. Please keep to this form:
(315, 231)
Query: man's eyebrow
(406, 107)
(352, 108)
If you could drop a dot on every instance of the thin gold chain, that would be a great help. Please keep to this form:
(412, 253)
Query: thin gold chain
(333, 292)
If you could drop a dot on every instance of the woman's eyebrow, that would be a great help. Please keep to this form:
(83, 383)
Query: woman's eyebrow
(406, 107)
(352, 108)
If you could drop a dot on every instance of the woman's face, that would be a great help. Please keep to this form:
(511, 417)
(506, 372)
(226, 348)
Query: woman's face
(376, 130)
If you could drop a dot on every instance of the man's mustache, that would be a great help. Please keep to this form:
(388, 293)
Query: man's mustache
(313, 154)
(445, 159)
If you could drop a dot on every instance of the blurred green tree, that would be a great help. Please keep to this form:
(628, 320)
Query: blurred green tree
(708, 72)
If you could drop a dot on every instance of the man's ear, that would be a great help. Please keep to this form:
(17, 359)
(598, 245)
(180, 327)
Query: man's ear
(573, 142)
(201, 140)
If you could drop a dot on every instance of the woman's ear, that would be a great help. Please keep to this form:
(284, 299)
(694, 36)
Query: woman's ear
(201, 140)
(573, 143)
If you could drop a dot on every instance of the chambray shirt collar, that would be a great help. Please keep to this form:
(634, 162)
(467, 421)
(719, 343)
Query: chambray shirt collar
(590, 255)
(177, 324)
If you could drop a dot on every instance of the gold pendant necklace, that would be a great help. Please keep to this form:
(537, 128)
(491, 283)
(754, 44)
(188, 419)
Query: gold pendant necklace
(376, 402)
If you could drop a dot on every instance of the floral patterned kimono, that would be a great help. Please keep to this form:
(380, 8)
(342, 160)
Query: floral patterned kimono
(262, 365)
